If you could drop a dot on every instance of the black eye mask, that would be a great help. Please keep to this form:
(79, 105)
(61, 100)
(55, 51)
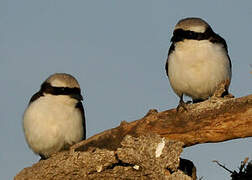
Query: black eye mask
(73, 92)
(180, 35)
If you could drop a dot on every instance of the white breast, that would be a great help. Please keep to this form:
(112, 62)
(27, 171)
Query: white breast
(196, 68)
(51, 122)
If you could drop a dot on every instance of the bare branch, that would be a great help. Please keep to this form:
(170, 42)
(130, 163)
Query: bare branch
(214, 120)
(223, 166)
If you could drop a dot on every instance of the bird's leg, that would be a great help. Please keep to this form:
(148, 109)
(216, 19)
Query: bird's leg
(182, 104)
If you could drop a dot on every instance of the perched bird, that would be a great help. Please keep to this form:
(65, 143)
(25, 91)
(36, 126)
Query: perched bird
(198, 61)
(54, 118)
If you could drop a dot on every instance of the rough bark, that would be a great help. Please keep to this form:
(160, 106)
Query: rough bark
(145, 157)
(214, 120)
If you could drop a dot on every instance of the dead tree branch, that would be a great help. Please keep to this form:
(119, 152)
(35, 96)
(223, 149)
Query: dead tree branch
(114, 155)
(214, 120)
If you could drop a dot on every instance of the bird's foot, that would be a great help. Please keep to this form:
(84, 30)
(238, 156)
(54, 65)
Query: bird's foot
(228, 95)
(182, 105)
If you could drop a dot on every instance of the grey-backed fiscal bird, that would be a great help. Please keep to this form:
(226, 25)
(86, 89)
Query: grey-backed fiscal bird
(198, 61)
(54, 118)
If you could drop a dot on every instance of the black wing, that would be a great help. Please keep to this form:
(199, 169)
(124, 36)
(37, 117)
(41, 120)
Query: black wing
(36, 96)
(80, 107)
(230, 64)
(166, 66)
(171, 49)
(216, 38)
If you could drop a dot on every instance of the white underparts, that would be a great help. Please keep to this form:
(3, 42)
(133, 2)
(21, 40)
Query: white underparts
(196, 68)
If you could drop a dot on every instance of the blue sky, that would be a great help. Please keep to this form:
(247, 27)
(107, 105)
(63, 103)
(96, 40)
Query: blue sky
(117, 51)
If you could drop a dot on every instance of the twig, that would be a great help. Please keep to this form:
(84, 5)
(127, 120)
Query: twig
(223, 166)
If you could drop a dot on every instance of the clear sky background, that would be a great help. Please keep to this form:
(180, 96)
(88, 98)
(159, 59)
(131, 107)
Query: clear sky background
(117, 51)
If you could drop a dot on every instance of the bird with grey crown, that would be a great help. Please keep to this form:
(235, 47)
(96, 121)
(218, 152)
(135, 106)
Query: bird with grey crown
(54, 118)
(198, 61)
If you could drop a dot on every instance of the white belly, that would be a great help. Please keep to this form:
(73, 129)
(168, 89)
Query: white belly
(196, 68)
(50, 124)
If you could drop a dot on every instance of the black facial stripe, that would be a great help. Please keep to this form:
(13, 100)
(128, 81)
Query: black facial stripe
(47, 88)
(180, 35)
